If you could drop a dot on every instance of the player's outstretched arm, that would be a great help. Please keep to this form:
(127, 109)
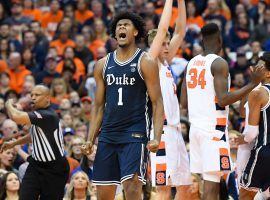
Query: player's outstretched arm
(16, 115)
(98, 108)
(162, 29)
(180, 30)
(220, 71)
(149, 68)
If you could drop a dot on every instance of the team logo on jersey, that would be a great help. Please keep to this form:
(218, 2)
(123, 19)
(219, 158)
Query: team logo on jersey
(122, 80)
(133, 69)
(111, 67)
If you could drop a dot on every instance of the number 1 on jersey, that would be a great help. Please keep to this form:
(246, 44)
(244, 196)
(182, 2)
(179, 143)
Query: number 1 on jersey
(120, 97)
(195, 79)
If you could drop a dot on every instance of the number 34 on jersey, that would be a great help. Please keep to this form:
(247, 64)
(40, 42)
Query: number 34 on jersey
(196, 78)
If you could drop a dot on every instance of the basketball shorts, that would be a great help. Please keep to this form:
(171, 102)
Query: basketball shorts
(209, 153)
(170, 165)
(256, 174)
(116, 163)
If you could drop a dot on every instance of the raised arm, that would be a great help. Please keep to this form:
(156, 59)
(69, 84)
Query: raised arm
(20, 117)
(151, 77)
(180, 30)
(162, 29)
(183, 98)
(220, 71)
(98, 108)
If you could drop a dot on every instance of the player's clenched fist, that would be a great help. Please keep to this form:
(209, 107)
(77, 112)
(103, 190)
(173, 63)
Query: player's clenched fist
(87, 148)
(153, 145)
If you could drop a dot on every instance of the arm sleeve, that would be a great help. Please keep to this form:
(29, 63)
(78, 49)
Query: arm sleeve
(251, 132)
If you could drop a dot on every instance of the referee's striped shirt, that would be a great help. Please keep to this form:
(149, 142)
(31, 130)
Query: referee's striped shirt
(46, 134)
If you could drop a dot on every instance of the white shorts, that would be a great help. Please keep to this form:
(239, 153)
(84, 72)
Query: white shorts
(170, 165)
(209, 153)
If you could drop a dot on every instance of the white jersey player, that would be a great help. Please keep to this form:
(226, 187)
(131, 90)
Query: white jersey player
(205, 91)
(170, 165)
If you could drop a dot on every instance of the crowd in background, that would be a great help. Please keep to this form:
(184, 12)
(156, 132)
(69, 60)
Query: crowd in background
(57, 43)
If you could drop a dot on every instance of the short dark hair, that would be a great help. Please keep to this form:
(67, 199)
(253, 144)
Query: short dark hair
(137, 21)
(210, 29)
(266, 58)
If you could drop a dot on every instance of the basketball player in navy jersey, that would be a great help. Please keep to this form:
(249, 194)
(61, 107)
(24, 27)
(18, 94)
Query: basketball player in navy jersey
(127, 79)
(256, 174)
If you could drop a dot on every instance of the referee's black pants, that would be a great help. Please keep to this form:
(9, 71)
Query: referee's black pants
(44, 182)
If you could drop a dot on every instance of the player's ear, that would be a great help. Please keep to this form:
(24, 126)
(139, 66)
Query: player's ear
(135, 32)
(268, 74)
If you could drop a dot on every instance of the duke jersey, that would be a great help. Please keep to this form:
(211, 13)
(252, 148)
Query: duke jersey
(127, 113)
(170, 101)
(263, 138)
(204, 111)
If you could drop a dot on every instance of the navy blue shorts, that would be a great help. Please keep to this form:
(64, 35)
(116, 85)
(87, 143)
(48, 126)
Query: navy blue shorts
(256, 174)
(116, 163)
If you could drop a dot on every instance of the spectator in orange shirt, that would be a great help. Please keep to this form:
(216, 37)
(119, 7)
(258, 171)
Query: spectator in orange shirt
(63, 41)
(17, 72)
(193, 17)
(30, 11)
(220, 7)
(159, 10)
(51, 19)
(82, 13)
(3, 66)
(80, 68)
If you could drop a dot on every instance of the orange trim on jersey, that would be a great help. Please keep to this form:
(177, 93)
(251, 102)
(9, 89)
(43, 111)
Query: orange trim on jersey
(161, 145)
(215, 139)
(221, 121)
(161, 167)
(223, 152)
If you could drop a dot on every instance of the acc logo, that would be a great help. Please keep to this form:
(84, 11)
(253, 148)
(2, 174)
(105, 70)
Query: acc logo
(132, 69)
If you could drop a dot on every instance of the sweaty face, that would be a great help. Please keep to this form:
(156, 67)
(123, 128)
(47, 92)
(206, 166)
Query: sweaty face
(125, 32)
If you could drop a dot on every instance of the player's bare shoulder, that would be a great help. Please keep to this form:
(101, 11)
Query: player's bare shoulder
(219, 66)
(148, 62)
(258, 95)
(99, 66)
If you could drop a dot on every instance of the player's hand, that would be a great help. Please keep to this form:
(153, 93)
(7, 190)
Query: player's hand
(7, 145)
(153, 145)
(10, 102)
(257, 73)
(87, 148)
(239, 140)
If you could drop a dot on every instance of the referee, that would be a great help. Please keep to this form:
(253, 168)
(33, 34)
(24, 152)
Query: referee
(48, 169)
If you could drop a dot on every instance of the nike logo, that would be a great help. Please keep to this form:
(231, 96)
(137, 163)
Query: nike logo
(111, 67)
(133, 64)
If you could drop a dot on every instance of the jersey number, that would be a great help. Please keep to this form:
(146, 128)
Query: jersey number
(196, 80)
(120, 97)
